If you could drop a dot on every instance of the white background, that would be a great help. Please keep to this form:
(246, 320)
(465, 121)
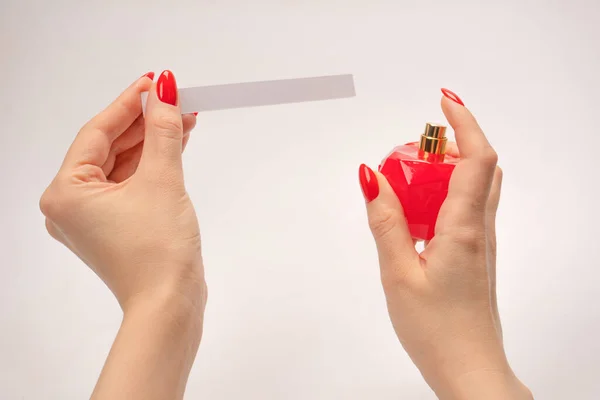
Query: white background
(296, 310)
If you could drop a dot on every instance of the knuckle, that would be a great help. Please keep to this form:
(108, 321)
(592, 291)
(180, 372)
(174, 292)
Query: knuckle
(89, 125)
(51, 229)
(498, 174)
(489, 157)
(53, 204)
(472, 238)
(492, 246)
(129, 105)
(169, 180)
(48, 204)
(383, 223)
(393, 279)
(167, 125)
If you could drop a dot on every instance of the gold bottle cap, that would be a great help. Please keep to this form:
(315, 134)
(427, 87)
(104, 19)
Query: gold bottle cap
(433, 140)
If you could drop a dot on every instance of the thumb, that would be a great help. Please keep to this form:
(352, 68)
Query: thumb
(395, 246)
(161, 156)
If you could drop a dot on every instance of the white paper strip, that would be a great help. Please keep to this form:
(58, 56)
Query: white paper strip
(254, 94)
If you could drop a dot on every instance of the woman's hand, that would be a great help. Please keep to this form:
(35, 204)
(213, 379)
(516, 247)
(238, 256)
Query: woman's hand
(442, 302)
(119, 202)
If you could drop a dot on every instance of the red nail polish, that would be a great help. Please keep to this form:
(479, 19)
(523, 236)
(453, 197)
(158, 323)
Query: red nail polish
(166, 88)
(420, 173)
(149, 75)
(368, 183)
(452, 96)
(196, 114)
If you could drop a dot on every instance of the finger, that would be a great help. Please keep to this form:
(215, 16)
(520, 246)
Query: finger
(395, 245)
(53, 231)
(128, 139)
(471, 179)
(475, 150)
(491, 212)
(131, 137)
(469, 136)
(163, 142)
(189, 123)
(494, 198)
(128, 161)
(135, 135)
(92, 144)
(452, 150)
(126, 164)
(109, 164)
(186, 139)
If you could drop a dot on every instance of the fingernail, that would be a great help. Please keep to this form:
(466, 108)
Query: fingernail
(166, 88)
(196, 114)
(368, 183)
(148, 75)
(452, 96)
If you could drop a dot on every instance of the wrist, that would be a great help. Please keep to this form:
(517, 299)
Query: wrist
(176, 305)
(156, 345)
(471, 367)
(487, 384)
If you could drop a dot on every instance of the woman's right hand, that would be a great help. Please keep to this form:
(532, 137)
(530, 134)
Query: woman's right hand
(442, 302)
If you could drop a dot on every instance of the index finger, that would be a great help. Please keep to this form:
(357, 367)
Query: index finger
(472, 178)
(92, 143)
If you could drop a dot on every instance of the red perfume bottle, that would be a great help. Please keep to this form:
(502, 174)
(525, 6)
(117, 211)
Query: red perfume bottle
(419, 173)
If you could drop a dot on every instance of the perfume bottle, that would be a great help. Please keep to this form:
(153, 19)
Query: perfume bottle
(419, 173)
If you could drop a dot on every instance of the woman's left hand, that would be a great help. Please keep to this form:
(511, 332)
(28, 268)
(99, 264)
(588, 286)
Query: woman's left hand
(119, 200)
(119, 203)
